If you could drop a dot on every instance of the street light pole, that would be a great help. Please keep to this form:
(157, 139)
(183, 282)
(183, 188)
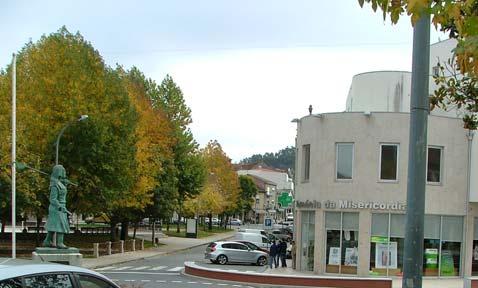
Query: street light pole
(14, 154)
(57, 142)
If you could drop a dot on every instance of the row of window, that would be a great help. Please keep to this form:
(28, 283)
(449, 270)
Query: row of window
(388, 162)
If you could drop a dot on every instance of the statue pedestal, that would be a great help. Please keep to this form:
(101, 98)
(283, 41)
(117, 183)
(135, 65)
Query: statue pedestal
(70, 256)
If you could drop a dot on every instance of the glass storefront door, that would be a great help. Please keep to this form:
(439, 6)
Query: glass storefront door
(307, 240)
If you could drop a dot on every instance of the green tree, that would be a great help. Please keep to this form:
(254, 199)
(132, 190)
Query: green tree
(459, 20)
(248, 191)
(284, 159)
(190, 172)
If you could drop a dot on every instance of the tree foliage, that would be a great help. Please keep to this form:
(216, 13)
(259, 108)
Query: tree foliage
(284, 159)
(458, 18)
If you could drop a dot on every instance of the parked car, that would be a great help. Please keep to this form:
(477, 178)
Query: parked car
(224, 252)
(235, 222)
(257, 239)
(252, 245)
(283, 234)
(256, 231)
(215, 221)
(18, 273)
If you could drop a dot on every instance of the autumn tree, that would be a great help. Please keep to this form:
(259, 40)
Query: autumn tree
(222, 177)
(458, 19)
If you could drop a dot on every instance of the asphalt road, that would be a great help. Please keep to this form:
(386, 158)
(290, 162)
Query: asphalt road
(165, 271)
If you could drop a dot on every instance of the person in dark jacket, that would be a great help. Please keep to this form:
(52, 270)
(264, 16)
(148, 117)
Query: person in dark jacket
(282, 252)
(273, 252)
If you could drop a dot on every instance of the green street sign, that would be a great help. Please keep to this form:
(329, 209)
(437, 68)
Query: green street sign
(284, 200)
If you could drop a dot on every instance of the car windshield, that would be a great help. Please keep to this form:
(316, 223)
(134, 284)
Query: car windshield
(250, 245)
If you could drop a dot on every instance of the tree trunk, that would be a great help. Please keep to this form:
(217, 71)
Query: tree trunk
(4, 223)
(124, 230)
(113, 232)
(37, 232)
(179, 221)
(153, 233)
(135, 228)
(210, 221)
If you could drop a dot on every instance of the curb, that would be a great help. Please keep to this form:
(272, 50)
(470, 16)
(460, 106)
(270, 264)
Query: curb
(159, 253)
(191, 269)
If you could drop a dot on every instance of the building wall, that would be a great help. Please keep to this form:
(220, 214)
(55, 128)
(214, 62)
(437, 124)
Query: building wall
(380, 91)
(367, 132)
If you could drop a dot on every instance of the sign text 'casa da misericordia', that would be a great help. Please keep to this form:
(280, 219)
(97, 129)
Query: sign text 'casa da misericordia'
(347, 204)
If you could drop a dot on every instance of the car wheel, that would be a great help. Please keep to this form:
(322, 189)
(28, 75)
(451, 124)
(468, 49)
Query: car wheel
(221, 259)
(262, 261)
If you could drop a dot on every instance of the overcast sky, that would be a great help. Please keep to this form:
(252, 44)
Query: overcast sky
(246, 67)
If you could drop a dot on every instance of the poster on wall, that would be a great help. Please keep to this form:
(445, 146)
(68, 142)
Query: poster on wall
(351, 256)
(431, 257)
(386, 255)
(334, 256)
(447, 267)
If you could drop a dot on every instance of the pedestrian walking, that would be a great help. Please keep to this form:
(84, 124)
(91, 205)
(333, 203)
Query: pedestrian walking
(282, 252)
(273, 252)
(292, 253)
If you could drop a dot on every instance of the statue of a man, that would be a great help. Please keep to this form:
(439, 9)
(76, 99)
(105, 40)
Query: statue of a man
(57, 221)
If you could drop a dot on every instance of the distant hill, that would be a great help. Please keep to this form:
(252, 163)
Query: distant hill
(284, 159)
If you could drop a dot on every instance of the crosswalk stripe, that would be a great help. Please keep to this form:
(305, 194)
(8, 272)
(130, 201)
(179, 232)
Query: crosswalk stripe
(122, 268)
(158, 268)
(105, 268)
(141, 268)
(176, 268)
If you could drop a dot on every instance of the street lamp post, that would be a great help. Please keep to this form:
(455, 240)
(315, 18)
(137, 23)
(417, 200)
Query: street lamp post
(57, 143)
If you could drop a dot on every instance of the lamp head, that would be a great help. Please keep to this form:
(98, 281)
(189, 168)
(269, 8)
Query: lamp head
(82, 117)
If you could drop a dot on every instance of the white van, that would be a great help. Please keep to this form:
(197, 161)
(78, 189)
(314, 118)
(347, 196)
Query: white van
(254, 231)
(258, 239)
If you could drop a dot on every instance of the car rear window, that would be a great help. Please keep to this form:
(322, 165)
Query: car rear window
(11, 283)
(212, 244)
(48, 280)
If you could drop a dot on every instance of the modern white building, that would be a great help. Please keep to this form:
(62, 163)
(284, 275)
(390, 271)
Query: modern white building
(351, 185)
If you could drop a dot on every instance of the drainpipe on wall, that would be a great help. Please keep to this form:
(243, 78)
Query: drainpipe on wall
(469, 135)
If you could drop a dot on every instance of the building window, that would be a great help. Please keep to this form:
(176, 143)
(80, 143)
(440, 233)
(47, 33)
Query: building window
(474, 258)
(388, 162)
(306, 161)
(441, 249)
(434, 164)
(307, 240)
(436, 71)
(342, 242)
(344, 161)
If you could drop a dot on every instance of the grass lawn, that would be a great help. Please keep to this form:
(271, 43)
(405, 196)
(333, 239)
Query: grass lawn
(201, 232)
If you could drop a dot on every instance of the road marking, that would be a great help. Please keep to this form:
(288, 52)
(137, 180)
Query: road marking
(129, 280)
(177, 281)
(192, 282)
(145, 280)
(140, 268)
(236, 285)
(206, 283)
(176, 269)
(123, 268)
(141, 273)
(105, 268)
(161, 281)
(222, 284)
(158, 268)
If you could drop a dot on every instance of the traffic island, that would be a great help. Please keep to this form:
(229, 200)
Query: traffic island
(192, 269)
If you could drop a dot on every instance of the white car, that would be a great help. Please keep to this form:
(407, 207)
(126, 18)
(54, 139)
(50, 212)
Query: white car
(235, 222)
(19, 273)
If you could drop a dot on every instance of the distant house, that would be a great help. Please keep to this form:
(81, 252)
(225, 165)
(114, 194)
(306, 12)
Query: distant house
(279, 182)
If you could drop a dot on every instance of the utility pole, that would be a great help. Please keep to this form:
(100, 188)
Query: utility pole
(14, 153)
(417, 155)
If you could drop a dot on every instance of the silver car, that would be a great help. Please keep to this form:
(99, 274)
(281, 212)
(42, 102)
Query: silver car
(17, 273)
(224, 252)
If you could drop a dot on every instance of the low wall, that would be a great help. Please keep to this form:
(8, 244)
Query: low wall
(190, 268)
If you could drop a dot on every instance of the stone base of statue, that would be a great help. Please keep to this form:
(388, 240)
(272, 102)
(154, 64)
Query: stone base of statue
(70, 256)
